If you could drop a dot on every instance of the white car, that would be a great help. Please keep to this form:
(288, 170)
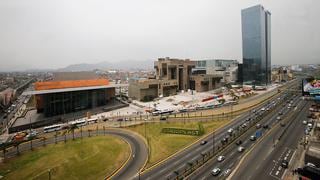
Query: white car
(221, 158)
(227, 172)
(304, 122)
(240, 149)
(216, 171)
(230, 130)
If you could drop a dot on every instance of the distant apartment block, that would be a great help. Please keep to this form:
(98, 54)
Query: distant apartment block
(281, 74)
(7, 96)
(256, 45)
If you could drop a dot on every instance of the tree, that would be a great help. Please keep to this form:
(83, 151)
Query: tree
(71, 129)
(65, 136)
(4, 150)
(44, 140)
(17, 147)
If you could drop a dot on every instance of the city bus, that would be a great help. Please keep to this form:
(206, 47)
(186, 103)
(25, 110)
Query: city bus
(80, 122)
(92, 120)
(52, 128)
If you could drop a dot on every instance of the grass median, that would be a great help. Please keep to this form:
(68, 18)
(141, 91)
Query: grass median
(88, 158)
(163, 145)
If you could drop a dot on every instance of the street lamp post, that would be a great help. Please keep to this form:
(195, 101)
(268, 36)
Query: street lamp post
(49, 172)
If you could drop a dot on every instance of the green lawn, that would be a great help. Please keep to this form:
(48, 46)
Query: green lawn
(89, 158)
(163, 145)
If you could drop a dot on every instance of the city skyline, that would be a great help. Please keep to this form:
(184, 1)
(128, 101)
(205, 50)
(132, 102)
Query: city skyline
(73, 33)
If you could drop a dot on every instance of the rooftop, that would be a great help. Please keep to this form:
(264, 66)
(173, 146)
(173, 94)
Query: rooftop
(48, 91)
(47, 85)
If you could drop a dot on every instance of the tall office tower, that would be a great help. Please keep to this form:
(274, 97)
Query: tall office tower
(256, 45)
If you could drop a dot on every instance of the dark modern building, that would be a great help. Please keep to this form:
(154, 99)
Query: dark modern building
(66, 94)
(240, 74)
(256, 45)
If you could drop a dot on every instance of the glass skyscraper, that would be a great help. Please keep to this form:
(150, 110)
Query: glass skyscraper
(256, 45)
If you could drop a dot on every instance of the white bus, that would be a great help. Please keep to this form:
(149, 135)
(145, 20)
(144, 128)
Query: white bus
(92, 120)
(80, 122)
(52, 128)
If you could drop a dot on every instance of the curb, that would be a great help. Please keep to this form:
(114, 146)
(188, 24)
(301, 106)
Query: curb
(140, 136)
(116, 171)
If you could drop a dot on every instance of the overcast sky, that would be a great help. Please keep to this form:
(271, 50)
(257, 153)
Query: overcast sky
(57, 33)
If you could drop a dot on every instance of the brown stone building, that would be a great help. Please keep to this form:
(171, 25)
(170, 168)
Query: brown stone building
(205, 82)
(172, 75)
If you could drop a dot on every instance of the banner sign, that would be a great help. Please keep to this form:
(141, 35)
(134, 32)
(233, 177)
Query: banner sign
(189, 132)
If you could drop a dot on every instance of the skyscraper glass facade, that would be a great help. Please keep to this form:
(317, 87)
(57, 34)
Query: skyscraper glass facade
(256, 45)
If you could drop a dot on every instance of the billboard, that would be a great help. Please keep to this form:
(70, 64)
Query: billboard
(311, 86)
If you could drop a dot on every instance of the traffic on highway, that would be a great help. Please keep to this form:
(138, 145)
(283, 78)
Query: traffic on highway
(184, 163)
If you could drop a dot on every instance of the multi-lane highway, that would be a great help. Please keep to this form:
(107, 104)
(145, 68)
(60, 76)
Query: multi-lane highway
(264, 161)
(231, 153)
(179, 162)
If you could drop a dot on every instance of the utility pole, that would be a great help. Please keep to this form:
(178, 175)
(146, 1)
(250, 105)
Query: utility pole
(213, 142)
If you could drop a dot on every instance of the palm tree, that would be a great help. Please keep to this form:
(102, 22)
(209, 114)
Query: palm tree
(89, 130)
(65, 136)
(4, 150)
(55, 137)
(44, 140)
(81, 131)
(17, 147)
(71, 128)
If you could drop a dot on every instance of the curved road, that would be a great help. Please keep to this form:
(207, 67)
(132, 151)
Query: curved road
(138, 157)
(139, 150)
